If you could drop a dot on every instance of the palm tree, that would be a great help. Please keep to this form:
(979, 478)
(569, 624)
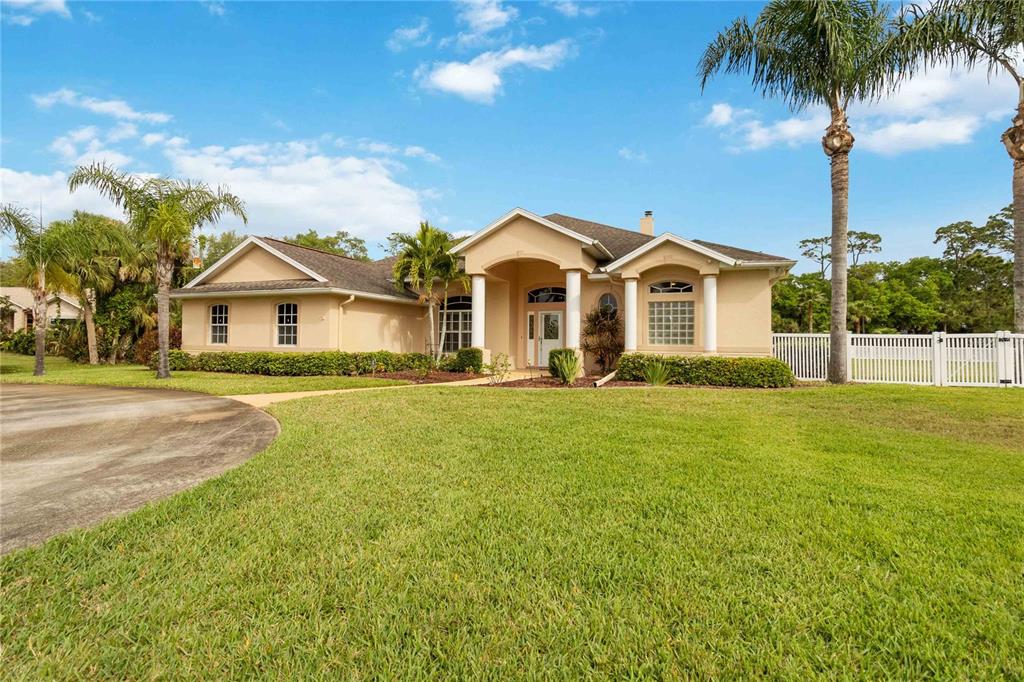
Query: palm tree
(423, 261)
(811, 53)
(93, 266)
(449, 272)
(989, 32)
(43, 251)
(165, 212)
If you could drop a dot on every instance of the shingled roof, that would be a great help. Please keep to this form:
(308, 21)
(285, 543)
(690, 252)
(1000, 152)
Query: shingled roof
(620, 242)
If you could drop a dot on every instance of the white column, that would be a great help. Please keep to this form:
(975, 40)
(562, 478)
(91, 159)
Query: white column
(479, 307)
(710, 313)
(629, 312)
(572, 308)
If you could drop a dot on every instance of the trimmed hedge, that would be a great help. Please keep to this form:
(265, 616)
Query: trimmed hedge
(296, 364)
(711, 370)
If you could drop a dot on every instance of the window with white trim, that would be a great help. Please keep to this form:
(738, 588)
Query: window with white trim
(608, 304)
(670, 323)
(671, 287)
(287, 324)
(546, 295)
(457, 316)
(219, 323)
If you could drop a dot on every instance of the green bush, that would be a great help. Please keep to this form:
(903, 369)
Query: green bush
(565, 364)
(710, 370)
(297, 364)
(656, 373)
(22, 342)
(468, 360)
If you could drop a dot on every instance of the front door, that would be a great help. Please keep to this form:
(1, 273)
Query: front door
(550, 335)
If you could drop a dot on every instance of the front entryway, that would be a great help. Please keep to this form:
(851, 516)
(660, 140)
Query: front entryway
(544, 333)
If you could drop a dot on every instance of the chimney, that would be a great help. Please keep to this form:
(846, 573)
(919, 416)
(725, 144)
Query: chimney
(647, 223)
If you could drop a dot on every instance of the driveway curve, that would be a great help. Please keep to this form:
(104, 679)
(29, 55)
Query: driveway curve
(72, 456)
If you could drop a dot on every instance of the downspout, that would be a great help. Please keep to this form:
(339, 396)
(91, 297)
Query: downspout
(341, 315)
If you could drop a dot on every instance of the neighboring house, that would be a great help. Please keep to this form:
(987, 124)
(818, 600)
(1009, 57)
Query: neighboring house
(58, 307)
(534, 279)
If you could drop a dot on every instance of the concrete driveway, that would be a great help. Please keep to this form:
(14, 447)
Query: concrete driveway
(71, 456)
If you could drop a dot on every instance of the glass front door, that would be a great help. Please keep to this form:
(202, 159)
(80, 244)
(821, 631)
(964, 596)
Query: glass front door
(550, 335)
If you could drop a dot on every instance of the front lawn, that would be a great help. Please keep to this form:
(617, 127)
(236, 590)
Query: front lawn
(856, 532)
(17, 369)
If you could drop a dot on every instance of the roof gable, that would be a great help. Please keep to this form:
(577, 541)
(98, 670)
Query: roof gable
(240, 251)
(587, 242)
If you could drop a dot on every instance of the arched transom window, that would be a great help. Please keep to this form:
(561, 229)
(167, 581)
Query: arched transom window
(608, 304)
(671, 287)
(546, 295)
(456, 317)
(287, 324)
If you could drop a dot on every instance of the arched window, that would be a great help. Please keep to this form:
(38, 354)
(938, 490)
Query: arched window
(287, 324)
(456, 314)
(608, 304)
(671, 287)
(219, 323)
(546, 295)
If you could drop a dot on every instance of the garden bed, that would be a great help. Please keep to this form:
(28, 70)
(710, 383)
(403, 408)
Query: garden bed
(432, 377)
(548, 382)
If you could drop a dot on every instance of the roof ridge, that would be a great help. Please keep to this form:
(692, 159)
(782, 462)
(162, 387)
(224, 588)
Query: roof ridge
(314, 249)
(594, 222)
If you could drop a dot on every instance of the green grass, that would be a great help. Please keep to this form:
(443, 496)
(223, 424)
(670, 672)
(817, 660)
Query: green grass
(855, 532)
(17, 369)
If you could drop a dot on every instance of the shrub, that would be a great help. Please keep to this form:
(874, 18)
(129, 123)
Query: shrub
(498, 368)
(148, 343)
(565, 364)
(297, 364)
(710, 370)
(602, 337)
(22, 342)
(468, 360)
(656, 373)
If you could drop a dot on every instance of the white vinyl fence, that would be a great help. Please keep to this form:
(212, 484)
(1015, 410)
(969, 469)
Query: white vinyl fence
(936, 359)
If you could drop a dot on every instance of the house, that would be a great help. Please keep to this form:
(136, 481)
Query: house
(58, 307)
(534, 279)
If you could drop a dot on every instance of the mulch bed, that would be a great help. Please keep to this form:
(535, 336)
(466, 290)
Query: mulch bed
(548, 382)
(434, 377)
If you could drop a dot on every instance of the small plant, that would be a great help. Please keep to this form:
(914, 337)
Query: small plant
(498, 369)
(565, 364)
(656, 373)
(422, 371)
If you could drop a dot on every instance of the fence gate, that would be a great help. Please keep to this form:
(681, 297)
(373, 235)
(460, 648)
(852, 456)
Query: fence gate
(936, 359)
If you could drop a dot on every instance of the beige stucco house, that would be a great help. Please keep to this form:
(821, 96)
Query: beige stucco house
(533, 278)
(58, 307)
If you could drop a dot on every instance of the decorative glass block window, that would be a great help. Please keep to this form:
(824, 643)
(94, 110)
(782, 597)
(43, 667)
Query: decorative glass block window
(287, 324)
(608, 303)
(546, 295)
(670, 323)
(457, 315)
(672, 287)
(219, 323)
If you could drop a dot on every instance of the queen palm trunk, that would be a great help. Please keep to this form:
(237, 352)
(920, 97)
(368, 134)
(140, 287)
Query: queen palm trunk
(39, 323)
(164, 271)
(444, 327)
(90, 328)
(837, 143)
(430, 312)
(1013, 138)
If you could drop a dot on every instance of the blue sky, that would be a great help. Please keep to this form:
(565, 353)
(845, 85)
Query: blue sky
(370, 116)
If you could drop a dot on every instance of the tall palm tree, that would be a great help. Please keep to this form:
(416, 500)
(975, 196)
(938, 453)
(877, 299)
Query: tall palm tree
(93, 266)
(165, 212)
(812, 53)
(43, 250)
(989, 32)
(423, 262)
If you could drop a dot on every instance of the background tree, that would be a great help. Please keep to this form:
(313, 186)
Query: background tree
(212, 248)
(341, 243)
(862, 243)
(92, 266)
(818, 52)
(164, 212)
(43, 250)
(988, 32)
(818, 250)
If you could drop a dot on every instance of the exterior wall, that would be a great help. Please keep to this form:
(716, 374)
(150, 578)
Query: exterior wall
(256, 265)
(745, 312)
(525, 239)
(368, 325)
(670, 254)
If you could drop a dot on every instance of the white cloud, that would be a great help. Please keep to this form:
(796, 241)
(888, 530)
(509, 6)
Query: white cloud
(117, 108)
(122, 131)
(416, 151)
(572, 9)
(481, 18)
(633, 155)
(85, 145)
(934, 109)
(215, 7)
(27, 11)
(30, 189)
(374, 147)
(150, 139)
(479, 80)
(403, 37)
